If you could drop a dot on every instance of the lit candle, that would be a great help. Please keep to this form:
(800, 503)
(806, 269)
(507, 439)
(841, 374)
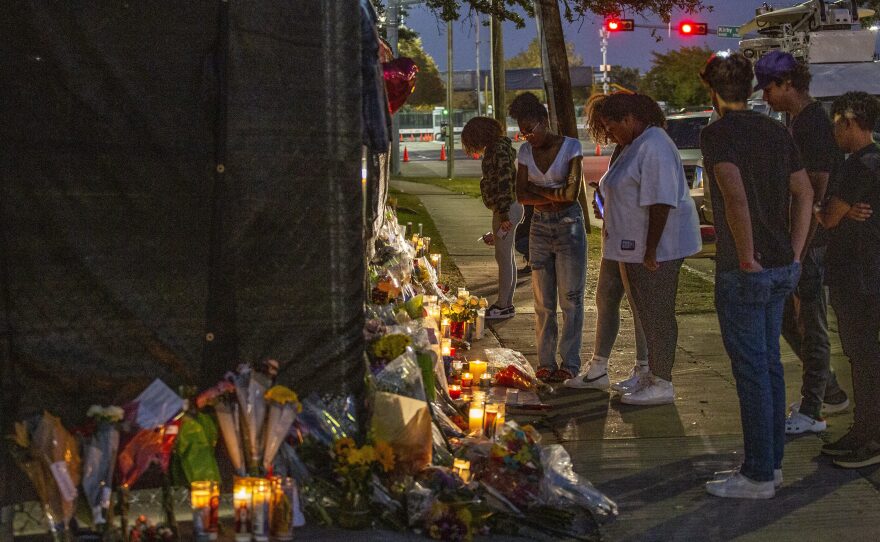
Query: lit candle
(491, 420)
(261, 510)
(435, 261)
(462, 467)
(477, 368)
(454, 391)
(480, 325)
(241, 501)
(467, 379)
(457, 366)
(485, 381)
(475, 417)
(444, 327)
(281, 517)
(446, 347)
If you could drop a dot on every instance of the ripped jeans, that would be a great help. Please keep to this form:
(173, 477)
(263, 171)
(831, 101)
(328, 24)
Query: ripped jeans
(558, 256)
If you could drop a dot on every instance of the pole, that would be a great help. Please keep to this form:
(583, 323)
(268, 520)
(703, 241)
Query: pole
(477, 26)
(450, 124)
(393, 24)
(603, 33)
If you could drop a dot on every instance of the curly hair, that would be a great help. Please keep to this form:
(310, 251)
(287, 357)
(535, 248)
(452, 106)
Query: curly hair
(479, 133)
(527, 106)
(730, 76)
(860, 107)
(799, 77)
(616, 107)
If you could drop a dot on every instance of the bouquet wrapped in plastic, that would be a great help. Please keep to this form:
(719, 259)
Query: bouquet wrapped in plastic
(511, 377)
(147, 447)
(194, 448)
(99, 460)
(284, 405)
(49, 455)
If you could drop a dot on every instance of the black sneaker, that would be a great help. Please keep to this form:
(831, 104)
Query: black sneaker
(527, 270)
(497, 313)
(843, 446)
(865, 456)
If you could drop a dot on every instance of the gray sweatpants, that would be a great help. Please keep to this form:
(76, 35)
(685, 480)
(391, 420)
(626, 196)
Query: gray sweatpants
(505, 257)
(653, 293)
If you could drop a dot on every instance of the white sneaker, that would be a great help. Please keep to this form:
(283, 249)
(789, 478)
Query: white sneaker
(740, 487)
(724, 474)
(797, 423)
(651, 390)
(594, 377)
(632, 382)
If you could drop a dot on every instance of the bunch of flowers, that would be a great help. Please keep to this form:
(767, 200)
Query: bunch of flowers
(99, 459)
(450, 522)
(463, 309)
(514, 466)
(144, 531)
(355, 466)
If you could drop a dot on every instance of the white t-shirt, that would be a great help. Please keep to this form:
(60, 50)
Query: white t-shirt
(557, 173)
(648, 172)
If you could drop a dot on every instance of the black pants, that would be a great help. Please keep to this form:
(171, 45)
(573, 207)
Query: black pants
(805, 329)
(858, 322)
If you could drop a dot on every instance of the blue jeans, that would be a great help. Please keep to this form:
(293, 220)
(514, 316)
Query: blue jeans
(749, 309)
(558, 256)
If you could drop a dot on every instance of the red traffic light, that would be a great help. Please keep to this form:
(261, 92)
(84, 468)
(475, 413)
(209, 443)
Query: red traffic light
(620, 25)
(688, 28)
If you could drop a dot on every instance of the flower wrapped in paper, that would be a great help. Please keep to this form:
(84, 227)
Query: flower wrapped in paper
(99, 460)
(49, 455)
(147, 447)
(250, 391)
(222, 397)
(284, 405)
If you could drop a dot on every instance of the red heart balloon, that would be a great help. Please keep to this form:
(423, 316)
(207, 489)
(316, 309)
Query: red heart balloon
(400, 81)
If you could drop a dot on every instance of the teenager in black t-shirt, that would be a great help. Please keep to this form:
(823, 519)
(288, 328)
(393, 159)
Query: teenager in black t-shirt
(761, 198)
(786, 83)
(854, 273)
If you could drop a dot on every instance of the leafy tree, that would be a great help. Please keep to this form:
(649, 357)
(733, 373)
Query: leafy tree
(630, 78)
(674, 77)
(430, 90)
(530, 57)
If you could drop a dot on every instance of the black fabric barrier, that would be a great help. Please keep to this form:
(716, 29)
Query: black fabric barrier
(180, 192)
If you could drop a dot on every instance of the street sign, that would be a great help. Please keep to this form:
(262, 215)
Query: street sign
(728, 32)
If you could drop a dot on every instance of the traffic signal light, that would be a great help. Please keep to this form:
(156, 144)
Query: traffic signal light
(688, 28)
(620, 25)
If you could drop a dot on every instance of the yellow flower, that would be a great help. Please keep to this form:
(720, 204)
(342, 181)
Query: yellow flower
(283, 395)
(385, 455)
(484, 302)
(367, 455)
(343, 446)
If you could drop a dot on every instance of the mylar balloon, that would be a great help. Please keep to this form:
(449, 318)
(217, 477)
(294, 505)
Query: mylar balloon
(400, 81)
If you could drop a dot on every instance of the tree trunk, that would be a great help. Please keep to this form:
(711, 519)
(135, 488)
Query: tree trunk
(499, 108)
(559, 96)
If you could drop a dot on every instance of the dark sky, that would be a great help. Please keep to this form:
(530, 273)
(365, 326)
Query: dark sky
(625, 48)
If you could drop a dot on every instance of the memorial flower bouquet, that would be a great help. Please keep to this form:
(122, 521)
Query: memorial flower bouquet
(99, 459)
(354, 467)
(463, 309)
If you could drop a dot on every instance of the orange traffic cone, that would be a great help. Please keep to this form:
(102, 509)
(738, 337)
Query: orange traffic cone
(412, 138)
(405, 154)
(598, 150)
(443, 153)
(401, 138)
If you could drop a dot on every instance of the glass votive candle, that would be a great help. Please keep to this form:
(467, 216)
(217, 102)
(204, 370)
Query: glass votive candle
(457, 366)
(490, 420)
(446, 347)
(467, 380)
(281, 513)
(485, 381)
(454, 391)
(435, 262)
(261, 499)
(241, 501)
(475, 417)
(477, 368)
(205, 500)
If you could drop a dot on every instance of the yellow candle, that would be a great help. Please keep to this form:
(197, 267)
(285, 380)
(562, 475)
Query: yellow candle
(445, 347)
(200, 498)
(475, 418)
(477, 368)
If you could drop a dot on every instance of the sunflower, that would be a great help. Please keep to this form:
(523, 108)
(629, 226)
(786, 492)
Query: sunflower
(385, 455)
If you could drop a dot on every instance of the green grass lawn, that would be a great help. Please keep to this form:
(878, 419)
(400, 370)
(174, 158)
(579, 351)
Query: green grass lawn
(468, 186)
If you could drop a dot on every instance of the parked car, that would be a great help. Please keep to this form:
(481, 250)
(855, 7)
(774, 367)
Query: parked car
(684, 130)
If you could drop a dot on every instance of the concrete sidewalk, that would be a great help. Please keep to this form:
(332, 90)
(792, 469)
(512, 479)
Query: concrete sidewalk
(654, 460)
